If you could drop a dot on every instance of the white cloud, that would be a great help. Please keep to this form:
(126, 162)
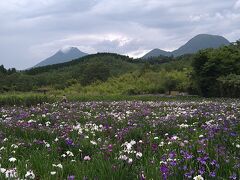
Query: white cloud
(237, 5)
(138, 53)
(197, 18)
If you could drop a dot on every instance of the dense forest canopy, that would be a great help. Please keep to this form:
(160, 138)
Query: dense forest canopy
(216, 71)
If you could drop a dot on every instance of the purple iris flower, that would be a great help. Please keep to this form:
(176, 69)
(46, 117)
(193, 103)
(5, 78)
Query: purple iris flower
(71, 177)
(69, 142)
(164, 170)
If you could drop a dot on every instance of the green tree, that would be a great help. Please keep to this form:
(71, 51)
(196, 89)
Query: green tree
(210, 64)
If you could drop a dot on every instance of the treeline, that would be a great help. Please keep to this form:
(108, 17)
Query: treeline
(82, 60)
(4, 71)
(164, 59)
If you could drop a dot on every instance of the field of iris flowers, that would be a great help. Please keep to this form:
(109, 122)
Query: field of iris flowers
(121, 140)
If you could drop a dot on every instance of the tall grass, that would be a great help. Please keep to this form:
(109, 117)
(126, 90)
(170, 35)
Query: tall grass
(24, 99)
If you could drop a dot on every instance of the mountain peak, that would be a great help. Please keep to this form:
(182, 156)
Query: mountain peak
(199, 42)
(63, 55)
(209, 37)
(68, 49)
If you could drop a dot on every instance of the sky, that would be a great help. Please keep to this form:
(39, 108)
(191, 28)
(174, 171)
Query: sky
(32, 30)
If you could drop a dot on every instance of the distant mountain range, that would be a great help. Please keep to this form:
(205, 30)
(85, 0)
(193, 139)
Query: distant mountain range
(63, 55)
(199, 42)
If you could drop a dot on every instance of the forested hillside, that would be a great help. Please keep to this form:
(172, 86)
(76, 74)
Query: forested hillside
(84, 70)
(209, 73)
